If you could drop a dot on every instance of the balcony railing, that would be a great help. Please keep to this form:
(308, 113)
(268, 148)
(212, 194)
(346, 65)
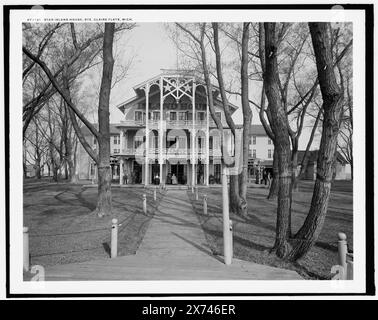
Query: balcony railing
(169, 152)
(170, 124)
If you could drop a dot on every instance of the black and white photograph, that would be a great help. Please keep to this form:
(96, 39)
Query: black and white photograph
(189, 151)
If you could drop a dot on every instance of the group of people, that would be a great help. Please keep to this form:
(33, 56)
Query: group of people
(264, 177)
(131, 178)
(172, 179)
(267, 178)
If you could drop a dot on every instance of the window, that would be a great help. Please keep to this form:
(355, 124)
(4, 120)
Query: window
(269, 141)
(115, 150)
(93, 169)
(155, 115)
(173, 116)
(156, 142)
(138, 142)
(254, 153)
(138, 115)
(219, 115)
(182, 115)
(116, 140)
(201, 116)
(269, 153)
(201, 142)
(211, 142)
(253, 139)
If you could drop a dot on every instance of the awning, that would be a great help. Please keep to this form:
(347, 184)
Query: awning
(267, 163)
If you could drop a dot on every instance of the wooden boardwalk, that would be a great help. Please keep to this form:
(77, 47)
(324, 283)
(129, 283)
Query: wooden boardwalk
(174, 248)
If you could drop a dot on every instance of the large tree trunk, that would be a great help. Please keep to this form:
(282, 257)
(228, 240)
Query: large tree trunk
(282, 139)
(104, 203)
(73, 174)
(332, 97)
(247, 118)
(306, 156)
(273, 190)
(55, 173)
(37, 167)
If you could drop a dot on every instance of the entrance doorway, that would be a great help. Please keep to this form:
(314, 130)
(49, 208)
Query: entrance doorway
(179, 171)
(136, 175)
(200, 173)
(155, 173)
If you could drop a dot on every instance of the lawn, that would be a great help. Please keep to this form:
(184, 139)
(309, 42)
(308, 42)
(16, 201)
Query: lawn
(254, 236)
(63, 229)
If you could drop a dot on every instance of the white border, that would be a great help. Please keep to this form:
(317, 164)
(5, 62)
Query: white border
(132, 287)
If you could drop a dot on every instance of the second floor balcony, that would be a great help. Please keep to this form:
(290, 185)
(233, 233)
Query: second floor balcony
(169, 152)
(165, 124)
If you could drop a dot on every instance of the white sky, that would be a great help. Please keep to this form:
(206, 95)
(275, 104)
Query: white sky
(153, 51)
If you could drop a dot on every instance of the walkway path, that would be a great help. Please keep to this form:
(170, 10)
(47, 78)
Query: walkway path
(174, 248)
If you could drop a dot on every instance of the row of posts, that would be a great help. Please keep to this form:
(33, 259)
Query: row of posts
(114, 233)
(345, 267)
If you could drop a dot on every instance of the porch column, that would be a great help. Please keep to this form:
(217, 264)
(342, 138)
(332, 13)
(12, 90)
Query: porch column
(146, 180)
(120, 170)
(193, 133)
(207, 144)
(121, 136)
(161, 133)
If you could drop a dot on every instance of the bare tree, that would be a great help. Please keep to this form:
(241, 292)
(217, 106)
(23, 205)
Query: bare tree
(332, 107)
(36, 147)
(280, 128)
(238, 182)
(102, 134)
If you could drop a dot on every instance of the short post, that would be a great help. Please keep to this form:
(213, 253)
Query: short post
(231, 240)
(155, 194)
(26, 249)
(144, 203)
(114, 239)
(342, 252)
(205, 205)
(196, 193)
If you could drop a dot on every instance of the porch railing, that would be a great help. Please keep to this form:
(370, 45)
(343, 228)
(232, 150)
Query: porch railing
(170, 124)
(170, 151)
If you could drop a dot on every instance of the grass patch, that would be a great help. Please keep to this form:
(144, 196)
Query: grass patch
(255, 235)
(63, 229)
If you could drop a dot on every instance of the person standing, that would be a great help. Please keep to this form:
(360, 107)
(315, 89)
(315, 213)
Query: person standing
(269, 179)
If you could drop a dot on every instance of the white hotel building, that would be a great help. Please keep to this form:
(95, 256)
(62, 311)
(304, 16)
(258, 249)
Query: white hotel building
(182, 137)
